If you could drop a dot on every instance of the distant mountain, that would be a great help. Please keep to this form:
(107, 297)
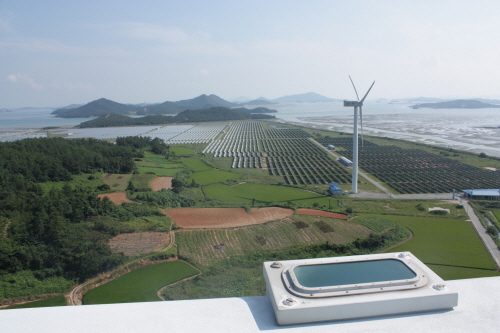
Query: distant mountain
(241, 99)
(203, 102)
(258, 102)
(188, 116)
(490, 101)
(71, 106)
(97, 108)
(104, 106)
(163, 108)
(310, 97)
(256, 110)
(457, 104)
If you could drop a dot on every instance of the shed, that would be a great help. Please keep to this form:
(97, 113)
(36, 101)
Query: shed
(482, 194)
(331, 147)
(334, 189)
(345, 161)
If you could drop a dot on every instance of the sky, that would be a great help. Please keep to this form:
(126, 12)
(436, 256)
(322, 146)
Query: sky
(55, 53)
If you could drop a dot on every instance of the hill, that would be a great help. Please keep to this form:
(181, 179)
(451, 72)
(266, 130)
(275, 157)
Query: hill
(258, 102)
(97, 108)
(310, 97)
(104, 106)
(457, 104)
(188, 116)
(256, 110)
(163, 108)
(204, 102)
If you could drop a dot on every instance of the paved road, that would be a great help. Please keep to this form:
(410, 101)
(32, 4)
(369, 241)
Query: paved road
(481, 231)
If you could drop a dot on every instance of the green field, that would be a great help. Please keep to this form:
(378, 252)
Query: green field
(160, 172)
(140, 285)
(450, 247)
(182, 151)
(82, 180)
(195, 164)
(266, 194)
(53, 301)
(213, 176)
(158, 165)
(117, 181)
(142, 181)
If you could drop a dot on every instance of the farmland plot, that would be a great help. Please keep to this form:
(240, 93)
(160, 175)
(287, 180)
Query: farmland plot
(134, 244)
(209, 246)
(265, 194)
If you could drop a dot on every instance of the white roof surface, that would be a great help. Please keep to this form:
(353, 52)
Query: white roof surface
(486, 192)
(477, 311)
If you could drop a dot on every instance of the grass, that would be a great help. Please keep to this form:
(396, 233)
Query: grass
(212, 176)
(450, 247)
(142, 181)
(266, 194)
(199, 245)
(158, 165)
(81, 180)
(118, 182)
(59, 300)
(182, 151)
(195, 164)
(396, 207)
(140, 285)
(160, 172)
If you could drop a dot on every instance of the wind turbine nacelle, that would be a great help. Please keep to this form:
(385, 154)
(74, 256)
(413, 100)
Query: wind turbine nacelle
(352, 103)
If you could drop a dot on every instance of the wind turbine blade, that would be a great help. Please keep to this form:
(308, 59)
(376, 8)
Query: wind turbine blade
(367, 92)
(361, 117)
(354, 87)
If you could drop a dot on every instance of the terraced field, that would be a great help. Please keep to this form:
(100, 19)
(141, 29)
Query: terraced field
(209, 246)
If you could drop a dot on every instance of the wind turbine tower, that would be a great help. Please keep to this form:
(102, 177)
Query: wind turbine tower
(357, 105)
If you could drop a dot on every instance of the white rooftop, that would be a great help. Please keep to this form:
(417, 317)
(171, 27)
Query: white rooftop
(483, 192)
(477, 311)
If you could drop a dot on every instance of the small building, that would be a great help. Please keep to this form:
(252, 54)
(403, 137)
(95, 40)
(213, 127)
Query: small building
(331, 147)
(345, 161)
(334, 189)
(482, 194)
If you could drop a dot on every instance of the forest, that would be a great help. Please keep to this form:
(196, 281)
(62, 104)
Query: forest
(188, 116)
(49, 234)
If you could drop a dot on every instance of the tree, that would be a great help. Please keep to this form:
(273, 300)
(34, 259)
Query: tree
(130, 187)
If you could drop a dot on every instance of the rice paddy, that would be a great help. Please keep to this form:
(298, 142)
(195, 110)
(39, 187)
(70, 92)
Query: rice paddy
(140, 285)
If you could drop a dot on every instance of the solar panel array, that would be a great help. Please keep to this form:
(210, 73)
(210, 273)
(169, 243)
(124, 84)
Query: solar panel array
(12, 138)
(168, 132)
(106, 132)
(202, 133)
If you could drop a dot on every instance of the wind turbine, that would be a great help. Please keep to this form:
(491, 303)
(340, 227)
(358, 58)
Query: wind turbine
(357, 104)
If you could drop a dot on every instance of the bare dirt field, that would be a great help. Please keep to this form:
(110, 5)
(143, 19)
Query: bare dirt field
(160, 183)
(315, 212)
(117, 198)
(198, 218)
(137, 243)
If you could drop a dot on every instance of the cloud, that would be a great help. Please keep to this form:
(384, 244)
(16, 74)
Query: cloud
(69, 85)
(157, 33)
(4, 25)
(24, 79)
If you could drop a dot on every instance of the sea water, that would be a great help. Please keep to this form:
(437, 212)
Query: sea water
(475, 130)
